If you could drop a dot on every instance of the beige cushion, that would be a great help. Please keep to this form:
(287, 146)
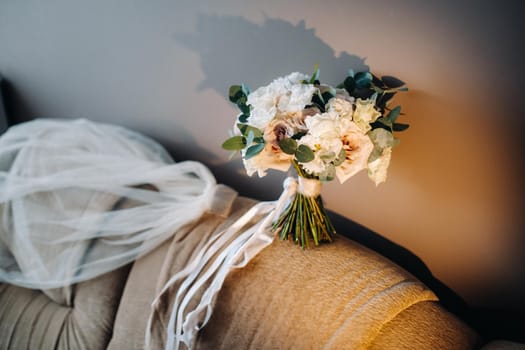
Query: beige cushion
(341, 295)
(426, 325)
(29, 319)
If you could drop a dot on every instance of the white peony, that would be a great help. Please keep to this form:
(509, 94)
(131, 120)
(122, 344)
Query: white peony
(297, 98)
(283, 95)
(365, 113)
(377, 169)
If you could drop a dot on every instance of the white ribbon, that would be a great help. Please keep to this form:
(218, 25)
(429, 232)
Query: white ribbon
(224, 252)
(309, 187)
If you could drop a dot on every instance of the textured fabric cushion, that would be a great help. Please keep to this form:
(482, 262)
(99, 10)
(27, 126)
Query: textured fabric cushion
(426, 325)
(341, 295)
(29, 319)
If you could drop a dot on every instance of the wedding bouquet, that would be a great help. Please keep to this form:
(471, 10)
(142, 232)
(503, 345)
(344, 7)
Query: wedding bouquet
(323, 132)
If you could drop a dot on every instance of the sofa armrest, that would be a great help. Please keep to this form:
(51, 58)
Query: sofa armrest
(426, 325)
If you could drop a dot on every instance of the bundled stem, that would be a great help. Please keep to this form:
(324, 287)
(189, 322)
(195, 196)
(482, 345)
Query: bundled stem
(303, 220)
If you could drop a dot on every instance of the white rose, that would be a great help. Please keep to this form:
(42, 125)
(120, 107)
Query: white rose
(365, 113)
(377, 169)
(342, 107)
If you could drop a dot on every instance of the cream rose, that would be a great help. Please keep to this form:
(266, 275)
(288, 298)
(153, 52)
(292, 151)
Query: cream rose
(269, 158)
(358, 147)
(365, 113)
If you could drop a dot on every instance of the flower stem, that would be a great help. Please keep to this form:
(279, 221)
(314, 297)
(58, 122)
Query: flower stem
(305, 219)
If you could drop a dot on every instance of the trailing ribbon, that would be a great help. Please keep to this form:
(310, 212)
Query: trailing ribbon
(227, 250)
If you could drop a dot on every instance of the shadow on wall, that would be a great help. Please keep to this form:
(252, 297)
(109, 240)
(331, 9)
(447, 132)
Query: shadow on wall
(273, 48)
(233, 50)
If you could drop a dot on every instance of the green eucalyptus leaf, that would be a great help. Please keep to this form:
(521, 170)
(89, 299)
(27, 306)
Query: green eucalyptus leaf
(245, 130)
(403, 89)
(341, 157)
(243, 118)
(394, 113)
(377, 82)
(299, 135)
(392, 82)
(288, 145)
(235, 93)
(384, 98)
(254, 150)
(349, 84)
(245, 89)
(363, 80)
(375, 154)
(386, 122)
(327, 95)
(328, 174)
(234, 143)
(304, 154)
(400, 127)
(317, 100)
(244, 108)
(351, 73)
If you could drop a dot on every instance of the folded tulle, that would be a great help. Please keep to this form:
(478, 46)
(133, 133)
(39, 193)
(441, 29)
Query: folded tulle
(63, 185)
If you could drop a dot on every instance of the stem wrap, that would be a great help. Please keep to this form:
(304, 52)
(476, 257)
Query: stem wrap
(309, 187)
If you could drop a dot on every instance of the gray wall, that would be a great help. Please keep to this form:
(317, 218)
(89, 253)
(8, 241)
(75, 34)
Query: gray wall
(455, 190)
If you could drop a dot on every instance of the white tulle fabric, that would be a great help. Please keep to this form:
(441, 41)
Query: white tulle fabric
(61, 183)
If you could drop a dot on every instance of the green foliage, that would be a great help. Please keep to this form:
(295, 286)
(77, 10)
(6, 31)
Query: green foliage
(394, 113)
(304, 154)
(341, 157)
(329, 173)
(238, 94)
(392, 82)
(363, 80)
(400, 127)
(315, 74)
(245, 129)
(235, 143)
(288, 146)
(349, 84)
(254, 150)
